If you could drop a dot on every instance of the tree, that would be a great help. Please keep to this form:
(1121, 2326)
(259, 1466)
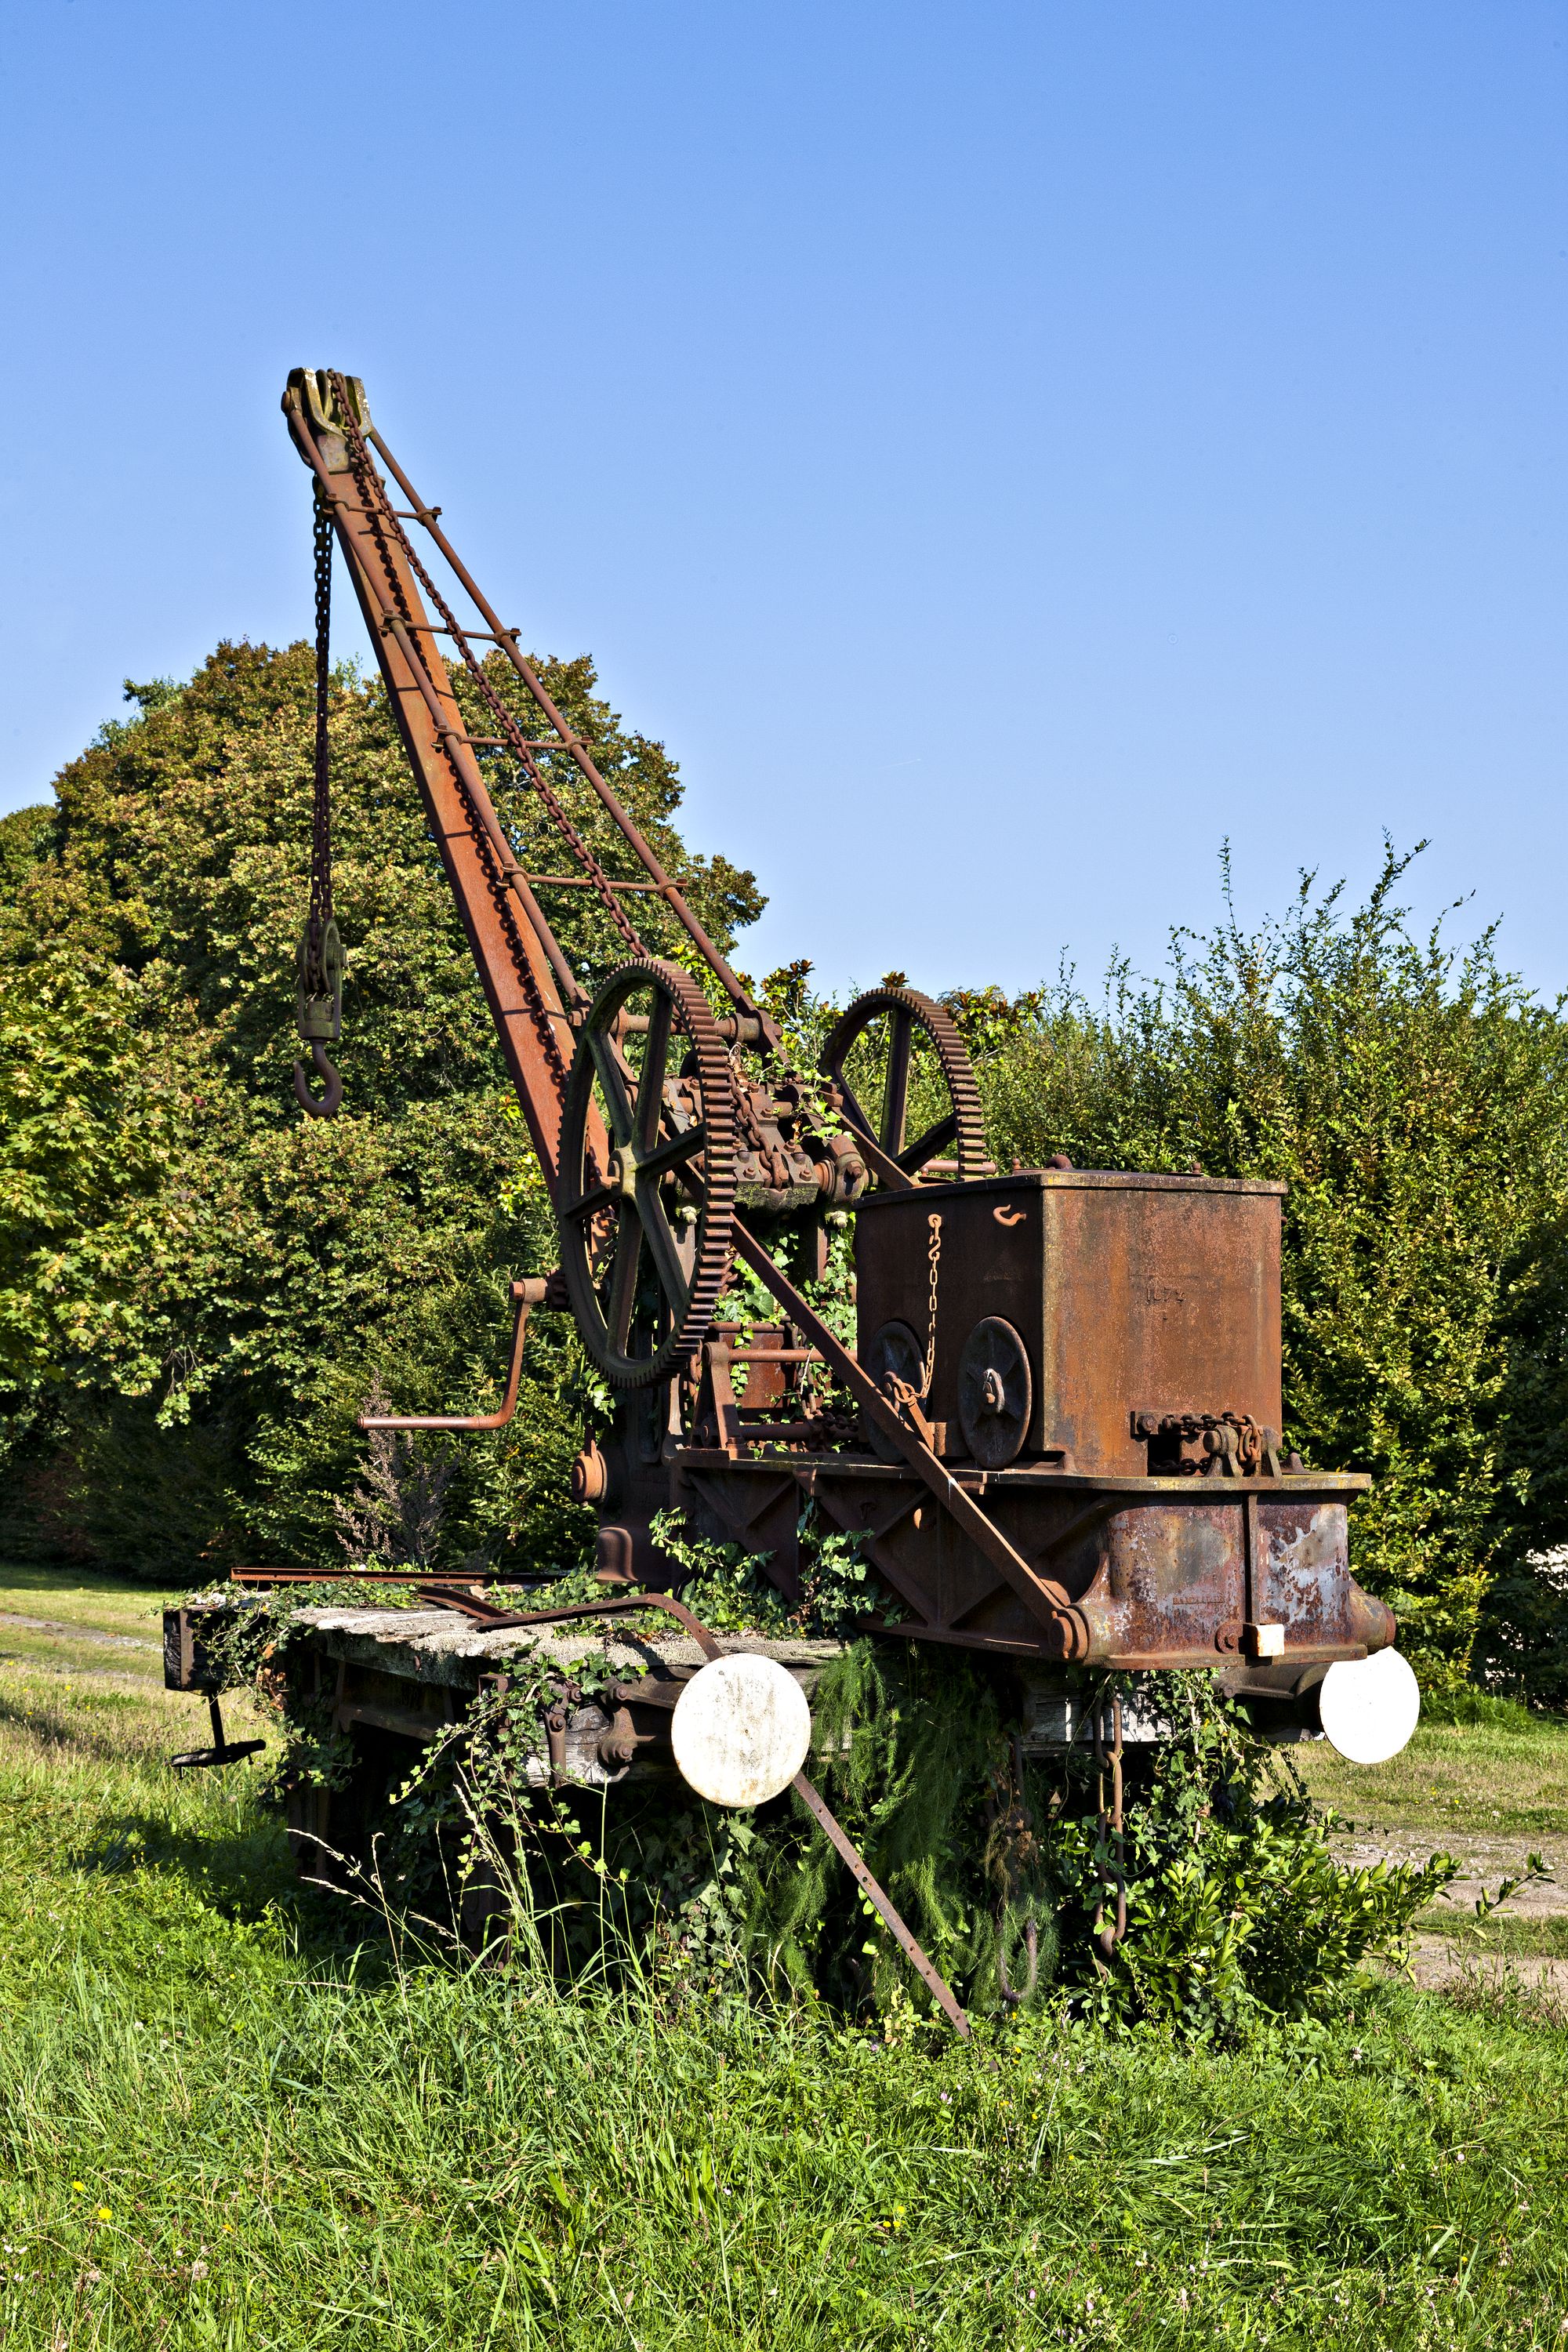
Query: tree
(200, 1286)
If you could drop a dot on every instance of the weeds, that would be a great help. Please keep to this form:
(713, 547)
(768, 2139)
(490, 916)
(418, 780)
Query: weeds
(1238, 1916)
(229, 2122)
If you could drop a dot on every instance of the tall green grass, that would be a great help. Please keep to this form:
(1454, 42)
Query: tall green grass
(226, 2124)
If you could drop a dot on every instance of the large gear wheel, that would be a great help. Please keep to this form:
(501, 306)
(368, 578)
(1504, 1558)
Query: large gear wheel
(645, 1257)
(949, 1073)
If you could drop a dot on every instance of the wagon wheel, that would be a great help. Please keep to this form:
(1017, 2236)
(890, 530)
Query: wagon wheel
(946, 1074)
(645, 1257)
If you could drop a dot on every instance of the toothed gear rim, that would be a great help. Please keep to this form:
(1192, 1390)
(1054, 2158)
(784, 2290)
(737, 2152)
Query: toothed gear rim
(968, 1135)
(641, 1218)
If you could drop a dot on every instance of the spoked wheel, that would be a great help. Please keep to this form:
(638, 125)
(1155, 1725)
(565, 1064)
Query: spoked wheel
(645, 1253)
(897, 1048)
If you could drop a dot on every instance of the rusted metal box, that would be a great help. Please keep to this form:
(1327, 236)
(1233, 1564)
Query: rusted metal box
(1129, 1294)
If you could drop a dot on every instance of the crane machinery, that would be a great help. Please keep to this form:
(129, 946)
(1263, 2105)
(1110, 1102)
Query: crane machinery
(1054, 1434)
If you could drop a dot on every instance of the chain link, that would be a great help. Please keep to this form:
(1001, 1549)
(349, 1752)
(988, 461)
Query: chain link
(321, 823)
(1110, 1849)
(933, 1256)
(377, 510)
(320, 962)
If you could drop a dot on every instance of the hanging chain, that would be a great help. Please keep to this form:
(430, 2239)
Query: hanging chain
(933, 1256)
(904, 1394)
(320, 993)
(322, 826)
(377, 509)
(1111, 1849)
(1017, 1848)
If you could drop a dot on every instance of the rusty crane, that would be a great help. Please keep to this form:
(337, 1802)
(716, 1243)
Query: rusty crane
(1056, 1434)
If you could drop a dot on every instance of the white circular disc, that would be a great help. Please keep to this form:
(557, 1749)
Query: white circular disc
(1369, 1706)
(742, 1728)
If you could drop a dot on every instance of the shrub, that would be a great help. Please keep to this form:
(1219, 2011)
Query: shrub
(1412, 1096)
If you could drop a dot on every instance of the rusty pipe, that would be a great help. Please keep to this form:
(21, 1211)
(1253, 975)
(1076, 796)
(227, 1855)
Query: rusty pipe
(529, 1294)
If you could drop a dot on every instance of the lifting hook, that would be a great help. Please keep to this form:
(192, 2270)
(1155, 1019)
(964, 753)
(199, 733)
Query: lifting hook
(331, 1100)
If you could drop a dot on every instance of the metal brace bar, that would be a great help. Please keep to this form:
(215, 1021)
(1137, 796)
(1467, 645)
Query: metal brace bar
(1050, 1609)
(936, 1984)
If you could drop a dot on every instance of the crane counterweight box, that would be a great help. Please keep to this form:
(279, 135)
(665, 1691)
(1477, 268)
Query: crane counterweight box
(1078, 1313)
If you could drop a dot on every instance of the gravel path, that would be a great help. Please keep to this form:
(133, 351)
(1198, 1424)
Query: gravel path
(1483, 1862)
(83, 1634)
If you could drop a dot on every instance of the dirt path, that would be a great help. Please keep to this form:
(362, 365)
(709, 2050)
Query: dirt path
(1484, 1862)
(1441, 1963)
(1444, 1963)
(74, 1632)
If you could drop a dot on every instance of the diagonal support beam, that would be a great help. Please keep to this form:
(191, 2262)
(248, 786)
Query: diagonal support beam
(873, 1538)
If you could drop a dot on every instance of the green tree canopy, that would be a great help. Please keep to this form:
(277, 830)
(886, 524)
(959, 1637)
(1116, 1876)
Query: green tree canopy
(196, 1285)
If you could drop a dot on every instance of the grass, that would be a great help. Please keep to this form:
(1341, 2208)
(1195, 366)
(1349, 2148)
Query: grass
(81, 1625)
(1494, 1789)
(225, 2126)
(1497, 1780)
(1504, 1936)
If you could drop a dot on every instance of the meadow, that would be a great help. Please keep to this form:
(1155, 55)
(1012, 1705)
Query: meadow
(233, 2113)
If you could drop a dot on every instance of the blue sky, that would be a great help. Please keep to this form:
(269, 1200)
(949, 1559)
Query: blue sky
(1002, 451)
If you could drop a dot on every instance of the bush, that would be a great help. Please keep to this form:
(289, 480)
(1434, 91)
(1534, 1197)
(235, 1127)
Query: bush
(1412, 1096)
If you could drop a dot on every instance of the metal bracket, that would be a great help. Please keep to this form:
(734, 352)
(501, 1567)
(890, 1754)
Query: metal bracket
(936, 1984)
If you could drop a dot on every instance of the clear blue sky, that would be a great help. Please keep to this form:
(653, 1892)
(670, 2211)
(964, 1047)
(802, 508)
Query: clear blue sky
(1001, 451)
